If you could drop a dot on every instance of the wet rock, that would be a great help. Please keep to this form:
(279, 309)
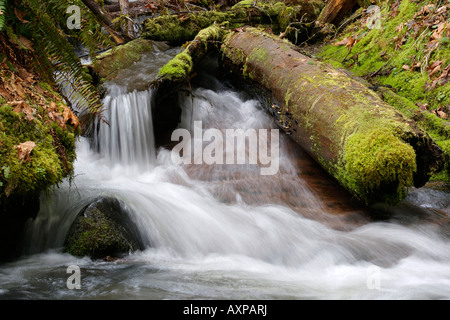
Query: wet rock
(102, 229)
(108, 64)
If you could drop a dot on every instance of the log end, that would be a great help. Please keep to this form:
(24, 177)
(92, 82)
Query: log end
(378, 166)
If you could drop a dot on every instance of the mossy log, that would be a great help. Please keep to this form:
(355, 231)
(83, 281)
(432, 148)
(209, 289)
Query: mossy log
(174, 75)
(276, 15)
(370, 148)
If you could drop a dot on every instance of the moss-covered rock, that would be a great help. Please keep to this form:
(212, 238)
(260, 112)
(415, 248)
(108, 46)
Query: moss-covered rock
(103, 228)
(38, 131)
(108, 64)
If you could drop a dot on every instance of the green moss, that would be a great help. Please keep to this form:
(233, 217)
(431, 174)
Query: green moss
(178, 68)
(95, 236)
(386, 51)
(376, 159)
(389, 49)
(170, 28)
(50, 161)
(181, 66)
(108, 64)
(265, 13)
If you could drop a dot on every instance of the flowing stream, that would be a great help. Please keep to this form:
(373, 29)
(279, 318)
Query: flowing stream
(226, 231)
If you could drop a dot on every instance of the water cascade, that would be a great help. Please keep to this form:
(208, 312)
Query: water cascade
(225, 231)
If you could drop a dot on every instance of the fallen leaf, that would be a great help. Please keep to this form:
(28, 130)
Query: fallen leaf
(22, 107)
(445, 73)
(343, 42)
(442, 114)
(434, 67)
(69, 115)
(24, 43)
(24, 150)
(406, 67)
(151, 6)
(20, 14)
(423, 106)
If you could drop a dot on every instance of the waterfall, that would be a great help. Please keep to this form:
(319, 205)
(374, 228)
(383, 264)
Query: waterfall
(128, 137)
(225, 231)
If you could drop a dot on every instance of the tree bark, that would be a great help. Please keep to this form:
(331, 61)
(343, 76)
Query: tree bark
(125, 10)
(335, 11)
(371, 149)
(106, 21)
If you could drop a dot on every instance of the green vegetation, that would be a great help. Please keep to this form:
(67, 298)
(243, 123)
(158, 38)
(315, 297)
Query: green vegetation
(181, 66)
(178, 68)
(409, 56)
(46, 164)
(96, 236)
(37, 128)
(276, 16)
(108, 64)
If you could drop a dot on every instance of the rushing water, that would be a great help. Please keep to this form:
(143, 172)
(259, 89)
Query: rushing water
(225, 231)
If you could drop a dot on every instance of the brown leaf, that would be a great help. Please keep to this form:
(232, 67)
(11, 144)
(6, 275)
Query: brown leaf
(22, 106)
(438, 33)
(350, 42)
(343, 42)
(69, 115)
(20, 14)
(24, 150)
(442, 114)
(52, 107)
(434, 64)
(406, 67)
(423, 106)
(151, 6)
(24, 42)
(445, 73)
(442, 10)
(434, 67)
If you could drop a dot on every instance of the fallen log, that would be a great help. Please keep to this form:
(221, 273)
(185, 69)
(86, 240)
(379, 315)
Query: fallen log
(174, 75)
(371, 149)
(274, 15)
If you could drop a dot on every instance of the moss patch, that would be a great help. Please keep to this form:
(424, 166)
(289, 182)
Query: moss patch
(399, 55)
(178, 68)
(102, 229)
(108, 64)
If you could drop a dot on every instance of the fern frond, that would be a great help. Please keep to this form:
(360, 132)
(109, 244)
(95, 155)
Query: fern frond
(2, 14)
(51, 41)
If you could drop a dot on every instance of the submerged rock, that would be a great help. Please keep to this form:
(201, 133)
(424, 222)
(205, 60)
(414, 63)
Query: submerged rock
(103, 228)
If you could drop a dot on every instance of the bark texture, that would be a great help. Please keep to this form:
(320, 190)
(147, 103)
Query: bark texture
(336, 10)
